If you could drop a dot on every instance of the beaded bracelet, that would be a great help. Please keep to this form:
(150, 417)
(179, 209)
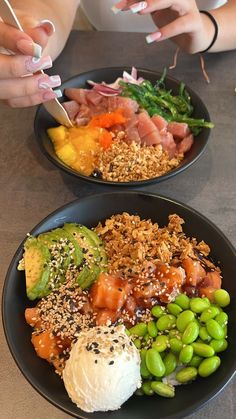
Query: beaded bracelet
(215, 26)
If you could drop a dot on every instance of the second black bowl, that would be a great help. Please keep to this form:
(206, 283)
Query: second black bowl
(44, 120)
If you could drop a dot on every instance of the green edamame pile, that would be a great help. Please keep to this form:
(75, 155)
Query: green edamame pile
(183, 338)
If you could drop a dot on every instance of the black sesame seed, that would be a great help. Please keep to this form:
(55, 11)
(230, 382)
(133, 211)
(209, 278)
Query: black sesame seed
(111, 362)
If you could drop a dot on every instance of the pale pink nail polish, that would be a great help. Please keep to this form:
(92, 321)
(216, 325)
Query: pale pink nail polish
(35, 64)
(153, 37)
(48, 26)
(138, 7)
(29, 48)
(49, 95)
(46, 82)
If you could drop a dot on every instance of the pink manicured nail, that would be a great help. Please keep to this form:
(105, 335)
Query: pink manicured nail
(48, 26)
(49, 95)
(153, 37)
(138, 7)
(29, 48)
(35, 64)
(117, 8)
(45, 82)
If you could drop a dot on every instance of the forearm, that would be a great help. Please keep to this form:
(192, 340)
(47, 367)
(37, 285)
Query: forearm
(59, 12)
(225, 17)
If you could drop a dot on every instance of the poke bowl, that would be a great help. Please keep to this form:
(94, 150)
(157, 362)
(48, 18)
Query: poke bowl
(131, 127)
(173, 222)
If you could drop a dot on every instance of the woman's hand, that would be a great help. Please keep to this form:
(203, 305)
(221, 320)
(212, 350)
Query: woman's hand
(176, 19)
(34, 88)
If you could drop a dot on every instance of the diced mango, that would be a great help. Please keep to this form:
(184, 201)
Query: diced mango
(67, 153)
(58, 135)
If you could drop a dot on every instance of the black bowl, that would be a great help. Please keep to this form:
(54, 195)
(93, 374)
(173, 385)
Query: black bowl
(90, 211)
(43, 121)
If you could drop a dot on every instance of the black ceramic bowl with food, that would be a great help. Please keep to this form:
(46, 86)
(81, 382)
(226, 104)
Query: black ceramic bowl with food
(90, 211)
(43, 121)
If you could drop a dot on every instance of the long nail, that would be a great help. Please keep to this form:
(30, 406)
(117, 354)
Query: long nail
(35, 64)
(29, 48)
(48, 26)
(138, 7)
(153, 37)
(52, 94)
(45, 82)
(117, 8)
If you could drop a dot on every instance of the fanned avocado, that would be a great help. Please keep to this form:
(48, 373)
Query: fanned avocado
(91, 247)
(37, 268)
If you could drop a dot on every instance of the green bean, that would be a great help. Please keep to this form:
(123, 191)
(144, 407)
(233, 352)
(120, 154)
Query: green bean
(183, 301)
(198, 305)
(209, 313)
(143, 367)
(190, 333)
(139, 329)
(219, 345)
(152, 329)
(161, 343)
(154, 363)
(175, 345)
(202, 349)
(157, 311)
(170, 363)
(174, 309)
(208, 366)
(222, 298)
(214, 329)
(186, 354)
(195, 361)
(186, 374)
(222, 319)
(147, 389)
(204, 335)
(166, 322)
(184, 319)
(163, 389)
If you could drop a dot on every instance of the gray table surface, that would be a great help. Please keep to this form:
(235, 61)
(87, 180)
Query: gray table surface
(31, 187)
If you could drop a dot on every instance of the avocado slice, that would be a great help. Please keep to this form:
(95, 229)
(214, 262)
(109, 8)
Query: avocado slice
(37, 260)
(92, 254)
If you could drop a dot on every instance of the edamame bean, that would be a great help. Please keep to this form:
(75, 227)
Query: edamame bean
(174, 333)
(137, 343)
(163, 389)
(154, 363)
(147, 389)
(214, 329)
(166, 322)
(208, 366)
(202, 349)
(175, 345)
(161, 343)
(183, 301)
(195, 361)
(186, 374)
(222, 298)
(204, 335)
(158, 311)
(174, 309)
(143, 367)
(198, 305)
(186, 354)
(139, 329)
(222, 319)
(170, 363)
(219, 345)
(184, 319)
(152, 329)
(191, 333)
(209, 313)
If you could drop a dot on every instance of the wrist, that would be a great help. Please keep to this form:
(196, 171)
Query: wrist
(209, 31)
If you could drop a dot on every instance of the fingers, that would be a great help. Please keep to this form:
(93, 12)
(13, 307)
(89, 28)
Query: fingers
(179, 26)
(33, 100)
(12, 66)
(17, 41)
(27, 86)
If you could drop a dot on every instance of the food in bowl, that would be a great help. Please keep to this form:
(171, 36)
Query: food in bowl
(129, 130)
(157, 282)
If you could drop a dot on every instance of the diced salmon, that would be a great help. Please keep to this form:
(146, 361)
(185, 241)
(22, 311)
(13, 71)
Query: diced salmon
(45, 345)
(32, 317)
(168, 143)
(171, 280)
(94, 97)
(132, 130)
(129, 106)
(72, 108)
(185, 144)
(160, 123)
(212, 279)
(207, 292)
(148, 131)
(194, 271)
(106, 317)
(109, 291)
(79, 95)
(179, 130)
(81, 121)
